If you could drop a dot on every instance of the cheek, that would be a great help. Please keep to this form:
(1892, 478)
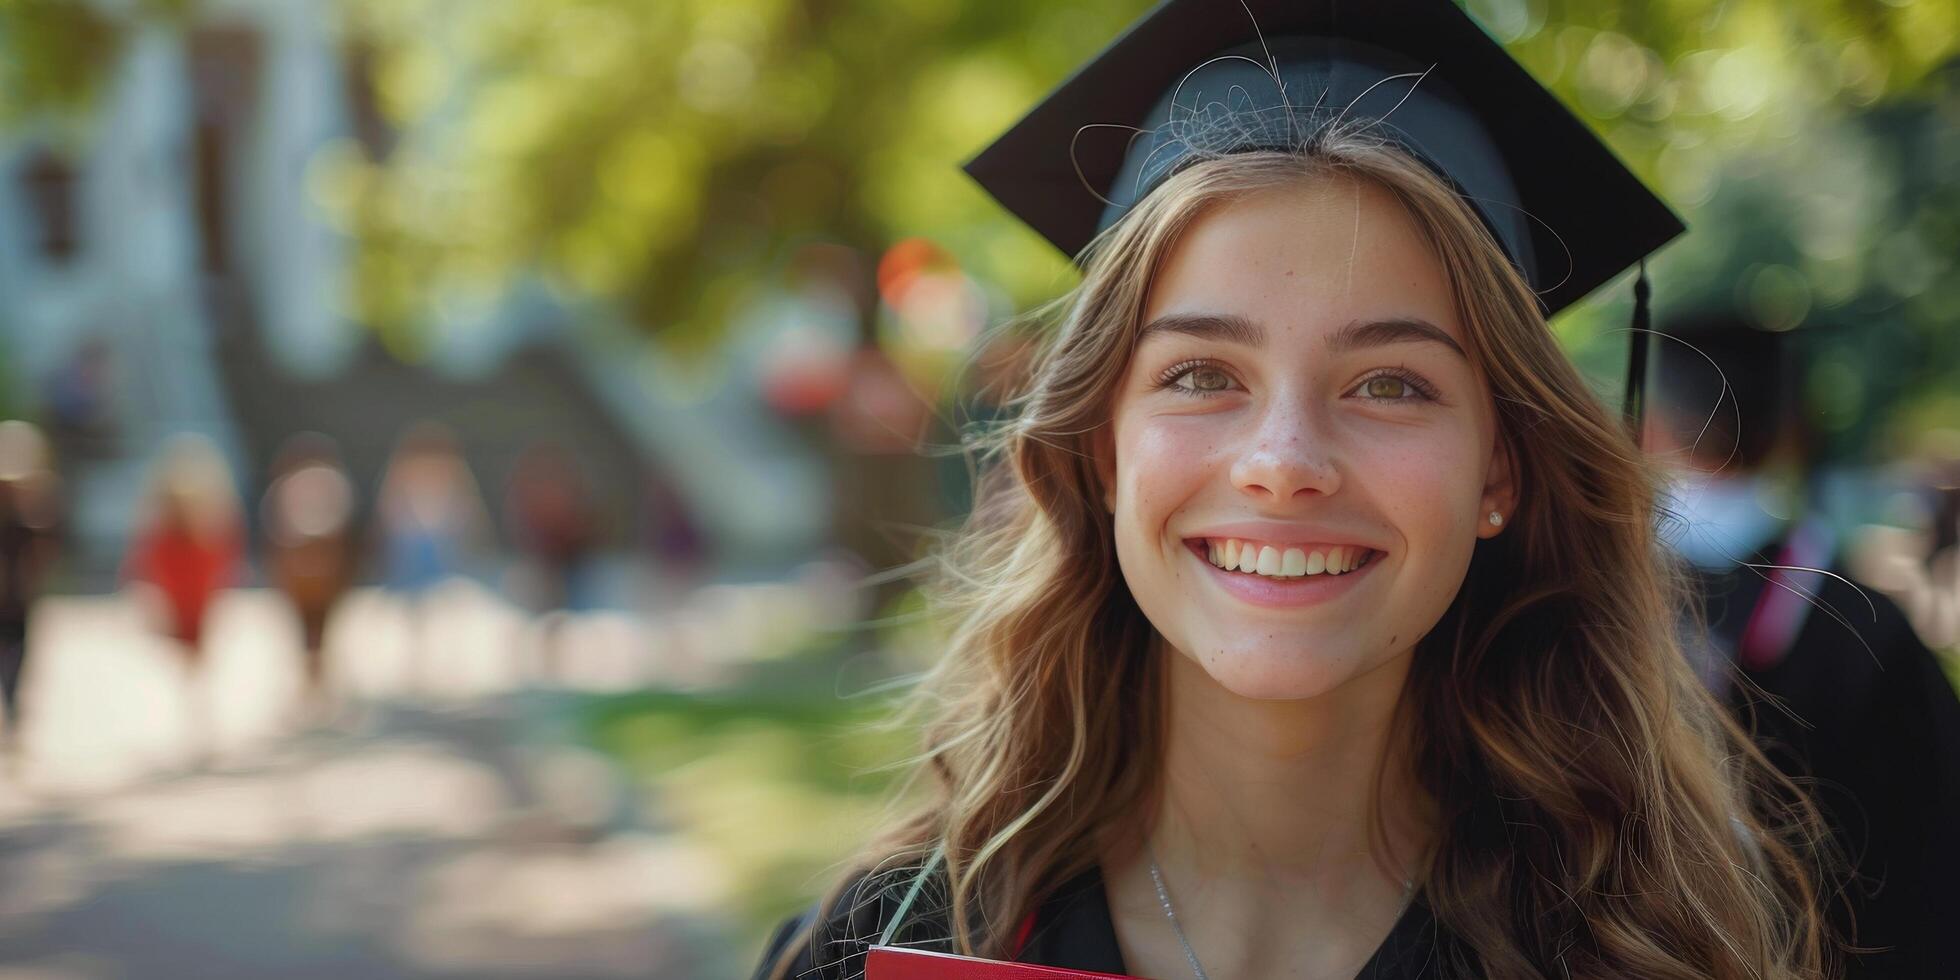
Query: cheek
(1160, 464)
(1429, 490)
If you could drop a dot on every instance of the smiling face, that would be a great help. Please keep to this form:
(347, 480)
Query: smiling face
(1300, 397)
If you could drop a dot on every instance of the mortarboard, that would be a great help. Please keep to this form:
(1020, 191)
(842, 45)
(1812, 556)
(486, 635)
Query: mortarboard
(1194, 79)
(1731, 384)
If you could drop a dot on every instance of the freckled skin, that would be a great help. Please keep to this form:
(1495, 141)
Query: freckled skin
(1298, 435)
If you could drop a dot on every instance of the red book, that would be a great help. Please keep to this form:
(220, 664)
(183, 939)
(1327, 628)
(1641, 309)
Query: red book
(898, 963)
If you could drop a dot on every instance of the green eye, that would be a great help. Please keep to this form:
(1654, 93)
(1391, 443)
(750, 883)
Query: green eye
(1209, 379)
(1387, 388)
(1198, 379)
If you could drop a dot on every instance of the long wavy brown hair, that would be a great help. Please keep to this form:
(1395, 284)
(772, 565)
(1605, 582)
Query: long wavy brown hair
(1600, 815)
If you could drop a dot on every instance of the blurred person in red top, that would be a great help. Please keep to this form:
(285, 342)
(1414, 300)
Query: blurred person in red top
(187, 547)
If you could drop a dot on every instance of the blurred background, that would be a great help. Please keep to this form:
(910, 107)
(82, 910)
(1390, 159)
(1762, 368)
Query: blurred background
(449, 438)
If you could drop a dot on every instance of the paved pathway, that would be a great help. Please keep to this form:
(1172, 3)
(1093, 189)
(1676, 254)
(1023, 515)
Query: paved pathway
(430, 829)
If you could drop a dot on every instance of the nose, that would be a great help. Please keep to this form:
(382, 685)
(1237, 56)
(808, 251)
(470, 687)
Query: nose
(1286, 455)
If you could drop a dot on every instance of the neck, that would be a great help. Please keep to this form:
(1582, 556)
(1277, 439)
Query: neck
(1265, 831)
(1287, 791)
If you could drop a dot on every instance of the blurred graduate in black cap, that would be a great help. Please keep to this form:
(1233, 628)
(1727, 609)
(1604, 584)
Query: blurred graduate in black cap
(1311, 620)
(1829, 675)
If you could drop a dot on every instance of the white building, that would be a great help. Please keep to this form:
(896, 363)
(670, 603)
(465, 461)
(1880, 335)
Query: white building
(171, 232)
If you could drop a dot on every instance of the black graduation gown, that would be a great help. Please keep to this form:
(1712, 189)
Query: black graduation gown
(1878, 732)
(1072, 929)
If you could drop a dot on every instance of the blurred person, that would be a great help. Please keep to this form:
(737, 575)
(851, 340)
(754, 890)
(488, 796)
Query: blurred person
(678, 550)
(1830, 677)
(188, 546)
(1918, 565)
(429, 517)
(672, 534)
(884, 491)
(81, 394)
(1309, 621)
(549, 517)
(29, 512)
(1938, 612)
(309, 514)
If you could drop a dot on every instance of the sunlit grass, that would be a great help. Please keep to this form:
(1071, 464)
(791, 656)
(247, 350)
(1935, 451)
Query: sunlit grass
(775, 788)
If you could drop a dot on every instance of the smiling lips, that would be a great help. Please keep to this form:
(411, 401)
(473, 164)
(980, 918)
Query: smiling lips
(1277, 561)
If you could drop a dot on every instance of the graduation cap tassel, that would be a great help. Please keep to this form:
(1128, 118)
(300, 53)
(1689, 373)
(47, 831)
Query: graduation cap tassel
(1636, 400)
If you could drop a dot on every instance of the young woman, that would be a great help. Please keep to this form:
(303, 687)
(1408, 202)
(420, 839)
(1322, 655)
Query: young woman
(1313, 623)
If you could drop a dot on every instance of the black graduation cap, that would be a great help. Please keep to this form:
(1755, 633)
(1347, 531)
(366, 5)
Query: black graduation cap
(1195, 79)
(1732, 384)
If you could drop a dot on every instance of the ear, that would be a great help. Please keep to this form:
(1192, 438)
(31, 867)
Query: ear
(1500, 490)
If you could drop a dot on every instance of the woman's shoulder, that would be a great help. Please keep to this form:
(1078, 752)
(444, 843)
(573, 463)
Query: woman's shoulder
(828, 940)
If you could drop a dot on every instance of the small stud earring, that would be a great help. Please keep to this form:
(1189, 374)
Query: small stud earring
(1496, 519)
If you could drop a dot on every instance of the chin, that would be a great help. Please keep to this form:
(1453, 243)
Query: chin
(1289, 674)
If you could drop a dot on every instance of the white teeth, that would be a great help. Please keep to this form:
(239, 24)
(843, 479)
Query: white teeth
(1232, 554)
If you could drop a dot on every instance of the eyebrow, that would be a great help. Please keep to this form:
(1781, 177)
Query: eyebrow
(1395, 330)
(1360, 334)
(1229, 327)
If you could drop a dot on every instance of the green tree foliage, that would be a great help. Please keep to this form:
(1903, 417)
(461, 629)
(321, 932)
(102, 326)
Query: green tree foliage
(1847, 235)
(665, 156)
(55, 54)
(52, 56)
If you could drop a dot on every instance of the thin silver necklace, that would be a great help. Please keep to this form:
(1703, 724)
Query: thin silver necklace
(1197, 969)
(1157, 878)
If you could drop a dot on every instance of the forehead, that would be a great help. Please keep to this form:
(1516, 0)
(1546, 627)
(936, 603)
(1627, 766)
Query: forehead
(1306, 258)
